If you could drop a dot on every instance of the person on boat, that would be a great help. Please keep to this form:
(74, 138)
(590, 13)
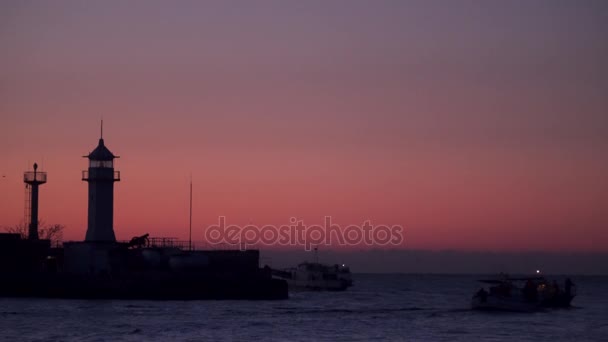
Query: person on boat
(568, 287)
(556, 290)
(504, 289)
(530, 291)
(482, 294)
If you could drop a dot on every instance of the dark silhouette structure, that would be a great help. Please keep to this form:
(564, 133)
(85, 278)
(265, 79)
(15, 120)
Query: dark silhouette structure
(33, 179)
(142, 268)
(101, 177)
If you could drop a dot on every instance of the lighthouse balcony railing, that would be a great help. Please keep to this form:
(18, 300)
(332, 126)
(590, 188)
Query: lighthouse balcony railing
(86, 176)
(31, 176)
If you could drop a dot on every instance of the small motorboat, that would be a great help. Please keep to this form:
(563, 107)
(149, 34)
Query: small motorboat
(523, 294)
(316, 276)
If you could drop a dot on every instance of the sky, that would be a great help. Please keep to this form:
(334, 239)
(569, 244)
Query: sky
(476, 125)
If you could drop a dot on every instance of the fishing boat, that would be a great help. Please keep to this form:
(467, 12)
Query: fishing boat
(316, 276)
(525, 294)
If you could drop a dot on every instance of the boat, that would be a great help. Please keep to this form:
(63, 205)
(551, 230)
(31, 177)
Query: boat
(525, 294)
(316, 276)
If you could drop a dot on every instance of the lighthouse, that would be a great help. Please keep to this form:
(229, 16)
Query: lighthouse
(33, 180)
(101, 177)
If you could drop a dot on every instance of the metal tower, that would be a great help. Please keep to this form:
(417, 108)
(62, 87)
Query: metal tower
(33, 179)
(101, 177)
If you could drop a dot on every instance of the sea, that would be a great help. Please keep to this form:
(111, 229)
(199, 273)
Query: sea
(379, 307)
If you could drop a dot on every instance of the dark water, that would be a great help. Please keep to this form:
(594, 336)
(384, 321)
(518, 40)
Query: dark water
(379, 307)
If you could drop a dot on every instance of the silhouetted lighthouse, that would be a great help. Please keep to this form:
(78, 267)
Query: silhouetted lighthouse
(33, 179)
(101, 177)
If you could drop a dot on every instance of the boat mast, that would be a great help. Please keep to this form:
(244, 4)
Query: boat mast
(190, 236)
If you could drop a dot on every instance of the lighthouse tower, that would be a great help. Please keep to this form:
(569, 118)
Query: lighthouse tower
(101, 177)
(33, 180)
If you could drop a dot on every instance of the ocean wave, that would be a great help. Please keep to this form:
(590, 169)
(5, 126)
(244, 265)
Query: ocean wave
(350, 311)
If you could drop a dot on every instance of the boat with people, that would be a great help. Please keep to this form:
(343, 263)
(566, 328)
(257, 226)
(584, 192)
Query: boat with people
(524, 294)
(316, 276)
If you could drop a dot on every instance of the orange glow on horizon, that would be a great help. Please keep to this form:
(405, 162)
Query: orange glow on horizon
(435, 118)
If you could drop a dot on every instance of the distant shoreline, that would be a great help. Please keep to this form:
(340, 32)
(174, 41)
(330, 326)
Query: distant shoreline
(448, 262)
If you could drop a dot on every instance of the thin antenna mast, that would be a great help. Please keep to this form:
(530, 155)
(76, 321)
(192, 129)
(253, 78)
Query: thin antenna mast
(101, 129)
(190, 237)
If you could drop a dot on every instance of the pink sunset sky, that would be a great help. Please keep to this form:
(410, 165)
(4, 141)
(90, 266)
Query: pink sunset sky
(476, 125)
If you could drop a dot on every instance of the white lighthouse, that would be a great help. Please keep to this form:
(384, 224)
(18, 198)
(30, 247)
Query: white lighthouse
(101, 177)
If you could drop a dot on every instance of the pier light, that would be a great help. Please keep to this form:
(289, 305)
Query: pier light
(101, 177)
(33, 179)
